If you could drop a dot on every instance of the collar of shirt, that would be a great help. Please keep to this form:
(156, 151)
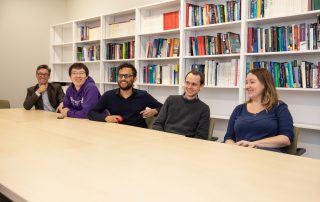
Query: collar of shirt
(119, 94)
(193, 100)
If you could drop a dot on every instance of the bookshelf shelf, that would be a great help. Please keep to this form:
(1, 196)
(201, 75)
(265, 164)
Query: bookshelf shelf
(121, 60)
(307, 126)
(157, 85)
(284, 53)
(162, 5)
(156, 59)
(236, 55)
(62, 81)
(91, 62)
(161, 33)
(226, 25)
(88, 41)
(109, 83)
(287, 18)
(300, 89)
(118, 38)
(222, 87)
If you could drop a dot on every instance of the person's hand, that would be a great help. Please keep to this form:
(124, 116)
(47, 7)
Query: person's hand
(114, 119)
(64, 112)
(245, 143)
(148, 112)
(42, 88)
(60, 107)
(229, 142)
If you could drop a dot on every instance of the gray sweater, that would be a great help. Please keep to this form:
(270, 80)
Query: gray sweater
(185, 117)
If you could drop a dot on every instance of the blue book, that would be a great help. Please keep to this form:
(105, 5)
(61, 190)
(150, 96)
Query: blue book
(290, 75)
(255, 40)
(196, 46)
(286, 66)
(219, 18)
(272, 71)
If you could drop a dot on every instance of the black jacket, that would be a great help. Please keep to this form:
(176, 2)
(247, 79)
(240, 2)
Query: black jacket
(55, 95)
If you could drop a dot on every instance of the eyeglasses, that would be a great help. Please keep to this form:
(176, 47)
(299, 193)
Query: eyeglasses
(42, 74)
(125, 76)
(78, 73)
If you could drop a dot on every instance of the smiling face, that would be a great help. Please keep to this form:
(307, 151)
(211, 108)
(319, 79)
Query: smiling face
(254, 87)
(43, 76)
(78, 77)
(192, 86)
(126, 78)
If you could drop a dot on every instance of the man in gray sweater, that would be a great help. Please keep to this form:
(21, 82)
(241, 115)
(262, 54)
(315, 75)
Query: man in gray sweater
(186, 114)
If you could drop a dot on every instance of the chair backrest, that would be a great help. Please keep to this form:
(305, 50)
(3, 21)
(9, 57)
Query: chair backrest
(210, 133)
(292, 149)
(149, 121)
(4, 104)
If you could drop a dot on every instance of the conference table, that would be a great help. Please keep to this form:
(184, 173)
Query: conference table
(45, 159)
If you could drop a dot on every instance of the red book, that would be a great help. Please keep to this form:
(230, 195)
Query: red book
(200, 45)
(250, 40)
(171, 20)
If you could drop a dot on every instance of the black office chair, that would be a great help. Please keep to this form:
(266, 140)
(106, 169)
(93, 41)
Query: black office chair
(4, 104)
(4, 199)
(149, 121)
(293, 149)
(211, 126)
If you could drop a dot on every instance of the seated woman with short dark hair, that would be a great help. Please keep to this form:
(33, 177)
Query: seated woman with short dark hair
(263, 121)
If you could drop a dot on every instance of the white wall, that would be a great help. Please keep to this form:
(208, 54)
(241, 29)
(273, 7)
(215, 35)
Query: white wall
(78, 9)
(25, 39)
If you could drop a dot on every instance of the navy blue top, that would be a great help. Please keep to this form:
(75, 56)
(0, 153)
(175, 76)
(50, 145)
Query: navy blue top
(244, 125)
(129, 108)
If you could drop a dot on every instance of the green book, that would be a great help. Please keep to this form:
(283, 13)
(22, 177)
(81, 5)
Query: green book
(316, 5)
(276, 73)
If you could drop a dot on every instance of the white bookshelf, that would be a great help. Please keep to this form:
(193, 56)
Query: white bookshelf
(117, 28)
(144, 24)
(221, 99)
(150, 27)
(302, 102)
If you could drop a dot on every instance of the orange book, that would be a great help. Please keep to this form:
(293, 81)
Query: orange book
(171, 20)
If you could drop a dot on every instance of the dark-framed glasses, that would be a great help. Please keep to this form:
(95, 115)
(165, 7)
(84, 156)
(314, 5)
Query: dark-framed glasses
(126, 76)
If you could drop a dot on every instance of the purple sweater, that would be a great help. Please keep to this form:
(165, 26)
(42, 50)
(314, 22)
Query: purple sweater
(80, 102)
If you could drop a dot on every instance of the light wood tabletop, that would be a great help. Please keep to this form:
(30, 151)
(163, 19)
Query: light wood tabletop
(45, 159)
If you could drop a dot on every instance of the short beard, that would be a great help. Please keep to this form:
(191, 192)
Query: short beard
(128, 87)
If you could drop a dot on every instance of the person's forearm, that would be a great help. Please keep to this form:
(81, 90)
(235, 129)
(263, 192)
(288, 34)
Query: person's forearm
(30, 101)
(273, 142)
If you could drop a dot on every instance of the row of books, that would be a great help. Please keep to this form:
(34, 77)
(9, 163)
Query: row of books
(116, 51)
(284, 38)
(197, 15)
(160, 74)
(271, 8)
(291, 74)
(88, 53)
(212, 45)
(163, 47)
(223, 74)
(89, 33)
(125, 28)
(112, 74)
